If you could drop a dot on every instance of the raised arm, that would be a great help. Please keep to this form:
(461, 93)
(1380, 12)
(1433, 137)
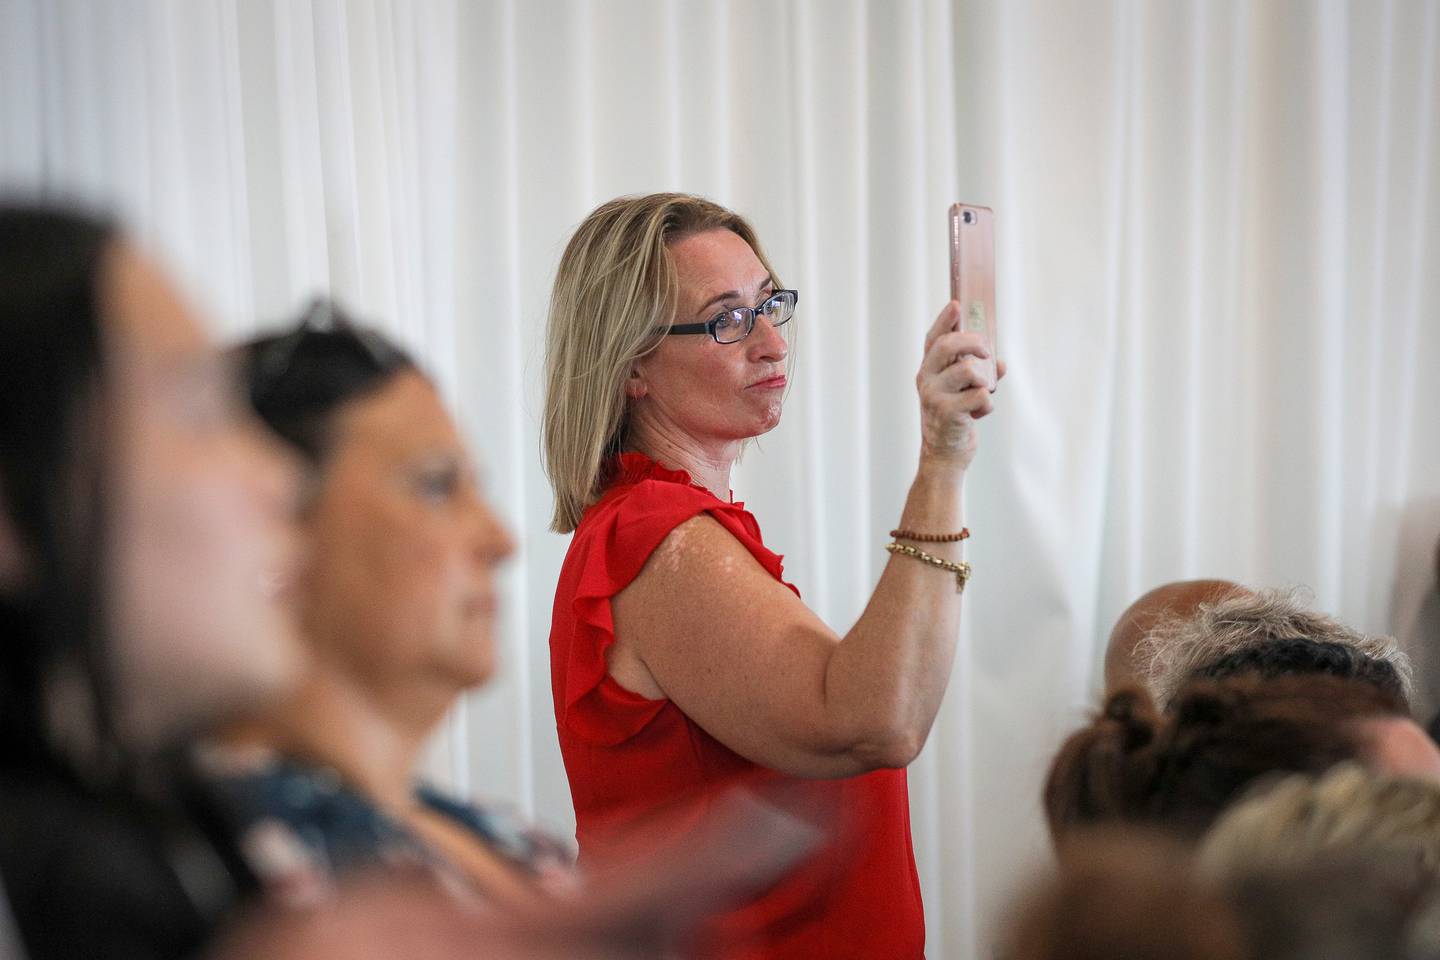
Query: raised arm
(705, 626)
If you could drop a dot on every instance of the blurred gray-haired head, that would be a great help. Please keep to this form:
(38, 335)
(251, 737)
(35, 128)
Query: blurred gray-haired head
(1266, 632)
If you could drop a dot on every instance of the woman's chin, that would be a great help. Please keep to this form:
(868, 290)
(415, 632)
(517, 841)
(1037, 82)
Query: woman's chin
(766, 419)
(770, 423)
(475, 666)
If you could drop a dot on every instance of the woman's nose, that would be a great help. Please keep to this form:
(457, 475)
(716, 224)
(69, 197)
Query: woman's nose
(493, 540)
(768, 344)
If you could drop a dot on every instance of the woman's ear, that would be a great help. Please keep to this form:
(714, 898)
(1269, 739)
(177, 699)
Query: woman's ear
(635, 387)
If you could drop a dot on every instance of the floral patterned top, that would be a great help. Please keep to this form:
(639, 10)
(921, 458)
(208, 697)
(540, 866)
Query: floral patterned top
(303, 828)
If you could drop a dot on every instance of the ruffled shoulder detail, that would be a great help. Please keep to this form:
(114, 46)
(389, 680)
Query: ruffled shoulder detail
(615, 538)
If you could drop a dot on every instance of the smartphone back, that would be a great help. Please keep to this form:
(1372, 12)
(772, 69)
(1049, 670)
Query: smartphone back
(972, 270)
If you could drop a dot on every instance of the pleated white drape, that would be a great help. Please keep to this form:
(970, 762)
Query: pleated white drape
(1219, 249)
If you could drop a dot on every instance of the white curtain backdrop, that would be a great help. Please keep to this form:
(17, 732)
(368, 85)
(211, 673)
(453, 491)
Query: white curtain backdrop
(1219, 252)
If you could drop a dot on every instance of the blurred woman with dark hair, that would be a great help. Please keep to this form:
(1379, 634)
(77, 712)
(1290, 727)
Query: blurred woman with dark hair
(397, 601)
(144, 539)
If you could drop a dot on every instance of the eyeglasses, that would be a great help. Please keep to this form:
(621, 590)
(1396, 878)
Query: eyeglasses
(732, 326)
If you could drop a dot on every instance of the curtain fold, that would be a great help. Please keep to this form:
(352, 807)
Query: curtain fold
(1218, 238)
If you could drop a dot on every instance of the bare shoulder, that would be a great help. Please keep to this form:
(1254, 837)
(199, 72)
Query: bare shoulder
(695, 545)
(706, 626)
(697, 563)
(681, 588)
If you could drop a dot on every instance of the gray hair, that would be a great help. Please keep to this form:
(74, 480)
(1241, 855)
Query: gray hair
(1179, 646)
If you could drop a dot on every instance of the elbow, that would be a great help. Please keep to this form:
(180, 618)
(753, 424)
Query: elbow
(880, 726)
(905, 748)
(840, 752)
(891, 749)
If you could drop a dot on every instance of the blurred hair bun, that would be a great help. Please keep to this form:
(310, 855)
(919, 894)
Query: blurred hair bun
(1132, 712)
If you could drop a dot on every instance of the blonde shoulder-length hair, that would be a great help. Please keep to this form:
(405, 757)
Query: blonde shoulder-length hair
(614, 292)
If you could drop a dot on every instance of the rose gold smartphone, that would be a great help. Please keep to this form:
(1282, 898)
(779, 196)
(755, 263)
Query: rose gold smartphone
(972, 270)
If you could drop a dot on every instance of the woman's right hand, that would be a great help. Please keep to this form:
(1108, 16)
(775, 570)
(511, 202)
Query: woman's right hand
(955, 389)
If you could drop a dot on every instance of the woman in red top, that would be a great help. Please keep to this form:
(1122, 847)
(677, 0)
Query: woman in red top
(681, 661)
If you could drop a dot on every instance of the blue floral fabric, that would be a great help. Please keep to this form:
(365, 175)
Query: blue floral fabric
(304, 827)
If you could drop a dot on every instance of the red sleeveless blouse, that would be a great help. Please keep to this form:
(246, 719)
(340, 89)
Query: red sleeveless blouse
(627, 757)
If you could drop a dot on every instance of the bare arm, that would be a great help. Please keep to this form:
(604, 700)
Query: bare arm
(707, 627)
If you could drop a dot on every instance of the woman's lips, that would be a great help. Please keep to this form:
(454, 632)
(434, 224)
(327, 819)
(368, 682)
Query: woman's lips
(774, 383)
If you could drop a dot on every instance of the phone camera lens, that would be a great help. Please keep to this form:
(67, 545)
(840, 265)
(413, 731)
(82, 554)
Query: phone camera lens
(968, 216)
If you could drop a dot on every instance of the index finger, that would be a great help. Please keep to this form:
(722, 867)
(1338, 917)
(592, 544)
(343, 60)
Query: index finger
(947, 321)
(950, 348)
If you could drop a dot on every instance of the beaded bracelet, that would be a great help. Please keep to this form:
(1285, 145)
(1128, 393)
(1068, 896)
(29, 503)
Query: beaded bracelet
(903, 534)
(961, 569)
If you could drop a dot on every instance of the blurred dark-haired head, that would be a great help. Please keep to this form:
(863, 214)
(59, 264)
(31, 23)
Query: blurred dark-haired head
(1179, 769)
(143, 516)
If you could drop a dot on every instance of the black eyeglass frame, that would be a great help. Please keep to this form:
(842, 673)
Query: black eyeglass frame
(751, 314)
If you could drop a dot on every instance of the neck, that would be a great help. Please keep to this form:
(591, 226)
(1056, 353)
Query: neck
(708, 464)
(374, 742)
